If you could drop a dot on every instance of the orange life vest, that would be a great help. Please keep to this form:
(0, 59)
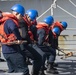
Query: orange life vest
(4, 38)
(57, 24)
(26, 20)
(31, 35)
(34, 22)
(29, 24)
(41, 25)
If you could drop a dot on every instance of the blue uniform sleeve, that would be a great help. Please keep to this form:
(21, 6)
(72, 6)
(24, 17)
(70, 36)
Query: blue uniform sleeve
(50, 37)
(11, 27)
(41, 36)
(52, 40)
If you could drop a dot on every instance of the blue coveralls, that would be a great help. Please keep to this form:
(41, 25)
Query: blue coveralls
(53, 41)
(14, 58)
(37, 53)
(50, 52)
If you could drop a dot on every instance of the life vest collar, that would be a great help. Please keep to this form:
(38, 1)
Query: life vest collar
(57, 24)
(7, 15)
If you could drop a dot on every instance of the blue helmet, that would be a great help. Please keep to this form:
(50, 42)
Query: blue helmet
(32, 13)
(64, 24)
(56, 30)
(19, 9)
(49, 20)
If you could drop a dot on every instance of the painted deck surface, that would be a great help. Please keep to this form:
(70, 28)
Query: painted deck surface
(65, 67)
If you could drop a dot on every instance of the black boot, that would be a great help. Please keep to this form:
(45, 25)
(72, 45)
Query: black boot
(51, 69)
(28, 62)
(45, 68)
(2, 60)
(55, 64)
(25, 74)
(41, 72)
(34, 72)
